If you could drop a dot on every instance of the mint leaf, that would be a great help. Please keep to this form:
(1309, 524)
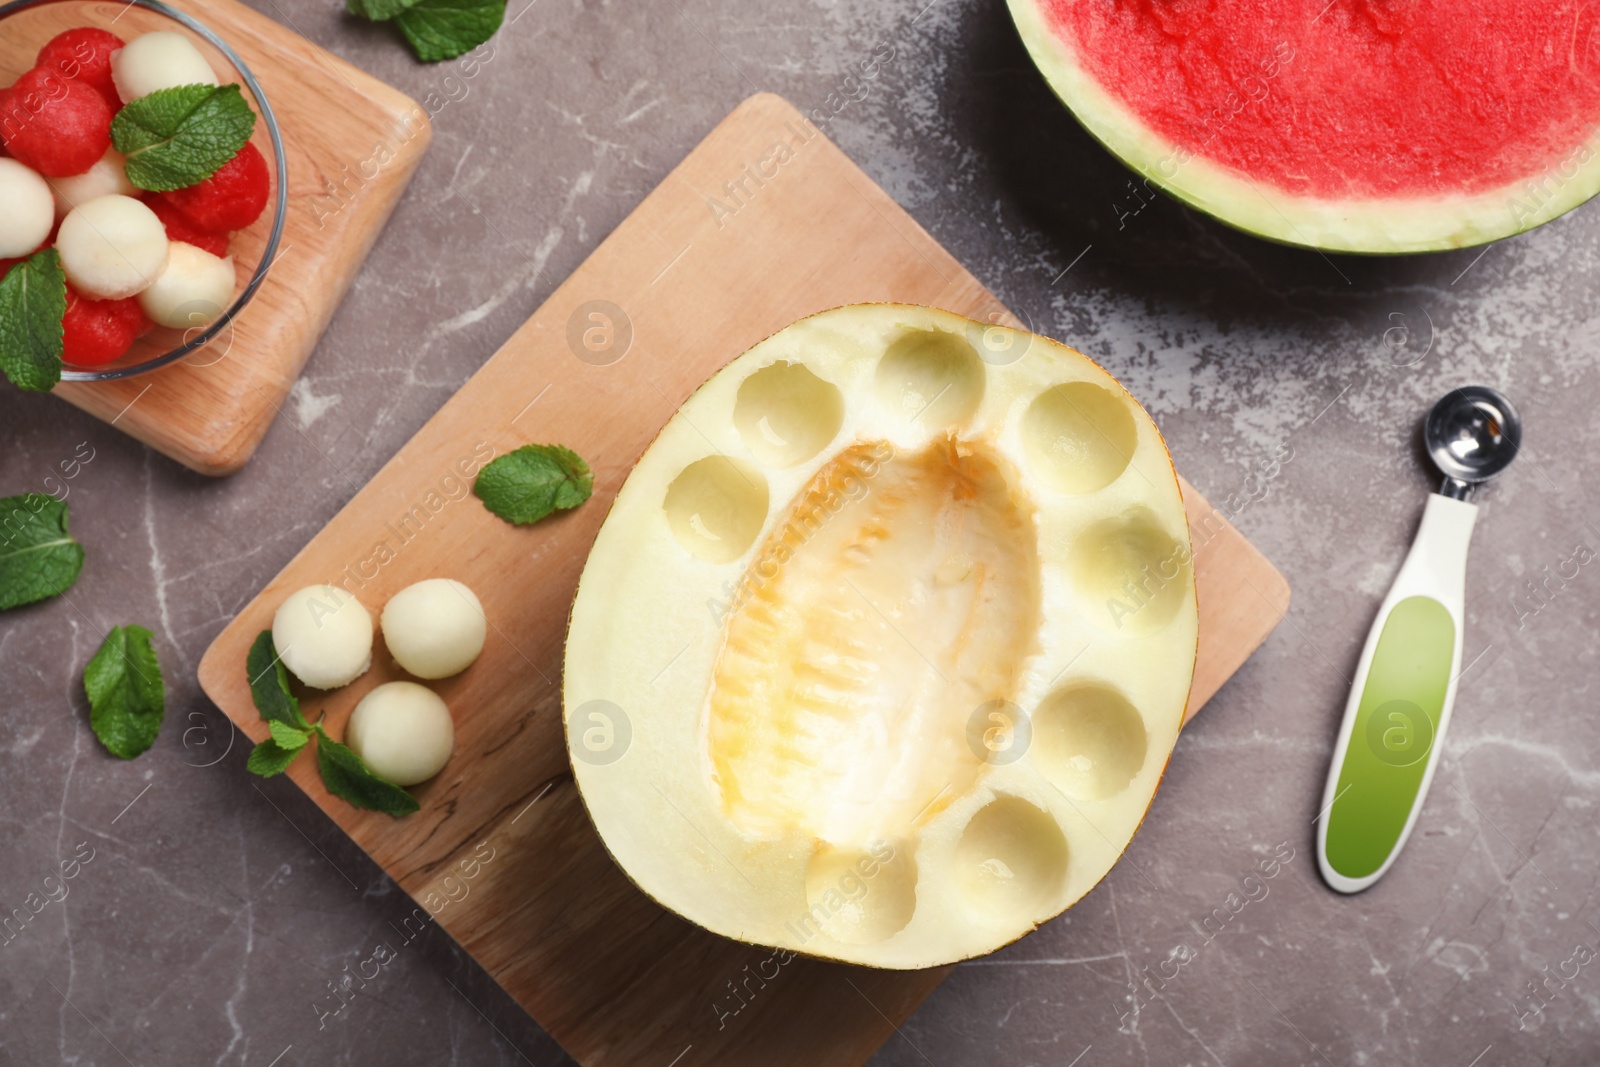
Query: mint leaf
(273, 756)
(178, 137)
(377, 10)
(270, 758)
(444, 29)
(127, 699)
(38, 559)
(526, 485)
(347, 777)
(269, 685)
(342, 770)
(288, 737)
(33, 298)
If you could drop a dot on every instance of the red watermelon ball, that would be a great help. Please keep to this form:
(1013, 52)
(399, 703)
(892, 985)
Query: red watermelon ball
(56, 125)
(230, 199)
(85, 54)
(96, 332)
(179, 228)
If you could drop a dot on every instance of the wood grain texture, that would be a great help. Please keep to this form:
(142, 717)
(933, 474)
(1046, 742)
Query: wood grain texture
(503, 854)
(352, 144)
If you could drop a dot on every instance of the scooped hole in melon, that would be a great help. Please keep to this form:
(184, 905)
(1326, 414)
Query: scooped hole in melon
(1088, 741)
(1011, 858)
(785, 414)
(716, 508)
(930, 380)
(1078, 437)
(862, 895)
(1130, 574)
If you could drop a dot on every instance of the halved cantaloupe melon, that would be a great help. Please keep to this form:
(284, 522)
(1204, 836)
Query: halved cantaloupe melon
(882, 650)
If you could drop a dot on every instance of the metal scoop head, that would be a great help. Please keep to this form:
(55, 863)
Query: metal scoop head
(1472, 434)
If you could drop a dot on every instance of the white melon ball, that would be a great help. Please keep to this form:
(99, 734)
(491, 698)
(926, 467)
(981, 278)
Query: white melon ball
(402, 732)
(29, 210)
(112, 247)
(194, 289)
(156, 61)
(104, 178)
(434, 628)
(324, 636)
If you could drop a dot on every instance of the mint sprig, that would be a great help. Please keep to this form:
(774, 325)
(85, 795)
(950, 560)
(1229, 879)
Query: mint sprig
(343, 772)
(525, 486)
(38, 558)
(33, 298)
(178, 137)
(436, 29)
(127, 698)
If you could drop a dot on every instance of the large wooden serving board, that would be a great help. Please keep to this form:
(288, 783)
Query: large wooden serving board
(352, 144)
(687, 284)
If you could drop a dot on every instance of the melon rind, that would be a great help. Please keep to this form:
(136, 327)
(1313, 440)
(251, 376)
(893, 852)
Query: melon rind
(1376, 226)
(1005, 848)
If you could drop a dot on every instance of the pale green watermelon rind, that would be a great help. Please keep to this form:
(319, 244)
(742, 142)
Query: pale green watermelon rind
(1388, 226)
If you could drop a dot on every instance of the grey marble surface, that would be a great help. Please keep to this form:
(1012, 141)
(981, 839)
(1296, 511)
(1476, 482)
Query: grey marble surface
(215, 908)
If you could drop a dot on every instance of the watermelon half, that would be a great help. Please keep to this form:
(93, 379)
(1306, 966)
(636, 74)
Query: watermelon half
(1348, 125)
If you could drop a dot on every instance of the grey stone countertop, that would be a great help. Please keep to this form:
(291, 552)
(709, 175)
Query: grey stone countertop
(213, 913)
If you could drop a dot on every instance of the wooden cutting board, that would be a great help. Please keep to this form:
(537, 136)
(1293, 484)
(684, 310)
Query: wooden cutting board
(731, 247)
(352, 144)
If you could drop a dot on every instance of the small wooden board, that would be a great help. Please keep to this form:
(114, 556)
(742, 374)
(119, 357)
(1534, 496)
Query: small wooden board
(352, 144)
(691, 284)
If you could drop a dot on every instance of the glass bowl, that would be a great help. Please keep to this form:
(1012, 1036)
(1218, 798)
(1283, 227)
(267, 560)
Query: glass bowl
(28, 24)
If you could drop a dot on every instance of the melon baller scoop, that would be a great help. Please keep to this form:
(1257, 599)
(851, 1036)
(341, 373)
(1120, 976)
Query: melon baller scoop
(1405, 683)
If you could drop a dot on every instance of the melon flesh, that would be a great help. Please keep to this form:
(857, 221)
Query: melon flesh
(1355, 125)
(881, 652)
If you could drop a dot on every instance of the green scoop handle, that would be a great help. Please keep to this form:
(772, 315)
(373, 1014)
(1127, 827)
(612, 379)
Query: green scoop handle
(1399, 706)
